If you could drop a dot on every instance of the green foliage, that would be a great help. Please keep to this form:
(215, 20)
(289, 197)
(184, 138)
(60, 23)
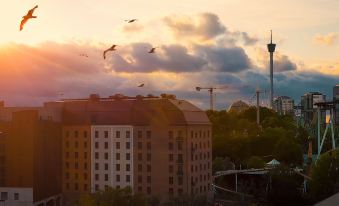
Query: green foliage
(109, 197)
(222, 164)
(325, 175)
(285, 187)
(255, 162)
(236, 135)
(187, 200)
(288, 151)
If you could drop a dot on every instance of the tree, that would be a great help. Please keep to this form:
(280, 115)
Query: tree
(222, 164)
(285, 187)
(325, 175)
(109, 197)
(255, 162)
(288, 151)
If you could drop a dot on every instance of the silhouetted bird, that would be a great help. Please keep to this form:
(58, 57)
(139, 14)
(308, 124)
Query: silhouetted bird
(131, 20)
(152, 50)
(112, 48)
(141, 85)
(28, 16)
(83, 55)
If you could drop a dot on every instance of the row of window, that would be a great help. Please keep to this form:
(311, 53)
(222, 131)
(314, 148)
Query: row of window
(200, 179)
(148, 168)
(117, 156)
(202, 145)
(117, 167)
(76, 165)
(148, 157)
(148, 190)
(201, 156)
(202, 167)
(4, 196)
(201, 189)
(76, 176)
(76, 134)
(117, 145)
(171, 180)
(76, 144)
(117, 178)
(148, 145)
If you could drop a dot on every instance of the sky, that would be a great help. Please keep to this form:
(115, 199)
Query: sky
(199, 43)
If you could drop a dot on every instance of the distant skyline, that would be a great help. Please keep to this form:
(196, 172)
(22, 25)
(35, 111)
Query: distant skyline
(201, 43)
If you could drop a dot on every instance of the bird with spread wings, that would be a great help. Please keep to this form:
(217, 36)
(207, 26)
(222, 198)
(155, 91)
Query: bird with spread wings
(28, 16)
(112, 48)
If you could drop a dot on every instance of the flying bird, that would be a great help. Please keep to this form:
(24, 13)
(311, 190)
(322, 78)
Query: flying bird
(141, 85)
(28, 16)
(131, 20)
(83, 55)
(152, 50)
(112, 48)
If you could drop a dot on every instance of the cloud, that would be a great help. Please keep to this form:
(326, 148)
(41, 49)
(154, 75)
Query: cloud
(205, 26)
(225, 59)
(283, 63)
(248, 40)
(328, 39)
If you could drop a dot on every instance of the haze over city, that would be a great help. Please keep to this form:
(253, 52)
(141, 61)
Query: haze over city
(210, 43)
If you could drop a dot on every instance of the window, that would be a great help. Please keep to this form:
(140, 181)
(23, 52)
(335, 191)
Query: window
(76, 165)
(106, 177)
(106, 145)
(128, 156)
(85, 134)
(117, 144)
(16, 196)
(96, 166)
(140, 145)
(85, 144)
(128, 167)
(106, 166)
(170, 180)
(128, 134)
(97, 177)
(106, 156)
(85, 155)
(149, 156)
(140, 179)
(148, 134)
(139, 167)
(149, 146)
(128, 145)
(139, 134)
(85, 176)
(96, 134)
(96, 145)
(128, 178)
(149, 168)
(85, 166)
(76, 133)
(97, 155)
(149, 179)
(117, 156)
(140, 157)
(85, 187)
(170, 169)
(117, 166)
(170, 146)
(180, 180)
(106, 134)
(117, 177)
(117, 134)
(76, 187)
(170, 157)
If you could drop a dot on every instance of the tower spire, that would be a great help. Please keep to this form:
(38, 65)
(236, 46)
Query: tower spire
(271, 49)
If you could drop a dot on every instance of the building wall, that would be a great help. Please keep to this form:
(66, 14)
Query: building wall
(111, 156)
(76, 161)
(16, 196)
(180, 163)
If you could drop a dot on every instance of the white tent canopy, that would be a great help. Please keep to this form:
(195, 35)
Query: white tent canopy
(273, 162)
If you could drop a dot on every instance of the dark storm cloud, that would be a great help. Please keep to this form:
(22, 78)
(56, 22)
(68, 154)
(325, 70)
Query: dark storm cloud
(172, 58)
(206, 26)
(225, 59)
(283, 63)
